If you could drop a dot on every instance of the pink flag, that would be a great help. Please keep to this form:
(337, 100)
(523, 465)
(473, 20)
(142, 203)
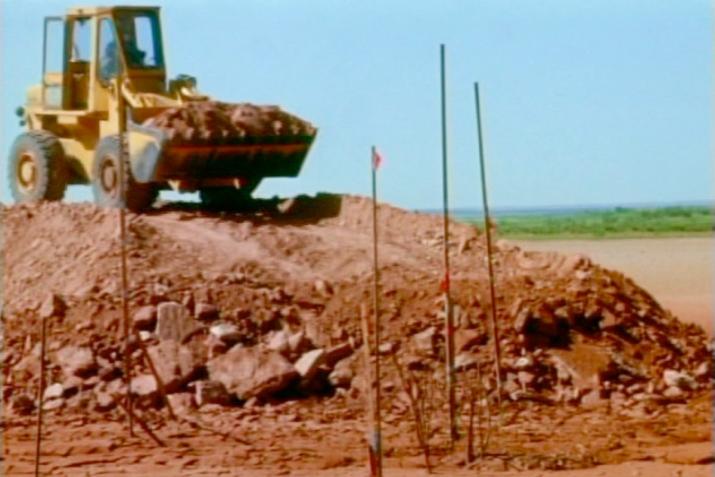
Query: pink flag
(376, 159)
(444, 284)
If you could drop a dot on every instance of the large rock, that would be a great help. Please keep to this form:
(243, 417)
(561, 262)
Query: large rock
(53, 404)
(464, 340)
(525, 362)
(181, 403)
(215, 346)
(338, 353)
(226, 332)
(425, 342)
(343, 373)
(308, 364)
(298, 343)
(77, 361)
(104, 402)
(107, 369)
(206, 312)
(323, 287)
(22, 404)
(146, 390)
(53, 391)
(175, 364)
(684, 381)
(278, 341)
(211, 392)
(143, 385)
(53, 306)
(465, 360)
(593, 398)
(252, 372)
(28, 367)
(583, 365)
(173, 321)
(144, 318)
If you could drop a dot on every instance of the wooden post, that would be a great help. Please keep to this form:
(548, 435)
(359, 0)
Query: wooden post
(449, 320)
(487, 230)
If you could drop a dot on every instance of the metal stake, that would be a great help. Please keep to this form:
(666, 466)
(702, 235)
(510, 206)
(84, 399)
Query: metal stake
(40, 397)
(449, 320)
(492, 293)
(370, 431)
(376, 305)
(121, 117)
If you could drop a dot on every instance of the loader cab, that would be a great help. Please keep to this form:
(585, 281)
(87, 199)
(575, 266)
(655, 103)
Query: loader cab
(130, 40)
(84, 52)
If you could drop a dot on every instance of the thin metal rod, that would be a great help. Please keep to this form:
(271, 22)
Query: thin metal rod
(121, 120)
(487, 230)
(449, 320)
(40, 397)
(376, 305)
(370, 431)
(141, 422)
(159, 382)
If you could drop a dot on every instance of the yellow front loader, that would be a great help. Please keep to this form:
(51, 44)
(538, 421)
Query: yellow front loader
(104, 67)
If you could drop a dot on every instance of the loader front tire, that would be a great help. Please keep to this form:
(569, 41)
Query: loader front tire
(105, 180)
(37, 169)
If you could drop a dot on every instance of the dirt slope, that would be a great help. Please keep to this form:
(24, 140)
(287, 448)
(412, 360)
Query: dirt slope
(572, 333)
(678, 271)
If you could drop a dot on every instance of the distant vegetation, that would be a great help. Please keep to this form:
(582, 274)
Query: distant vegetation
(618, 222)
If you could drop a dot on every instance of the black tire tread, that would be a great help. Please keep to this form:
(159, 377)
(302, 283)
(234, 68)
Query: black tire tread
(52, 162)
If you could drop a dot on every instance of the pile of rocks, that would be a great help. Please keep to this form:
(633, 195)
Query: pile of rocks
(223, 123)
(199, 358)
(583, 373)
(234, 310)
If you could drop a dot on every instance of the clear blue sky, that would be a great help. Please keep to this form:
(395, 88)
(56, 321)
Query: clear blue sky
(588, 102)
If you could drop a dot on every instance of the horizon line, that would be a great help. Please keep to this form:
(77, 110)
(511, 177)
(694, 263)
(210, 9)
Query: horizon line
(580, 207)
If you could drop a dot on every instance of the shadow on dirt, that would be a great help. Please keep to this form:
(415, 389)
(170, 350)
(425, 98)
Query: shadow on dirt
(299, 210)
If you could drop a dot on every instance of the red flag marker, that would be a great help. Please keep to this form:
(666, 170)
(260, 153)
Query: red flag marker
(376, 159)
(444, 284)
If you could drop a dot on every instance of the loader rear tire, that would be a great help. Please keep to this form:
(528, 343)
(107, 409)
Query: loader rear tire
(37, 169)
(105, 180)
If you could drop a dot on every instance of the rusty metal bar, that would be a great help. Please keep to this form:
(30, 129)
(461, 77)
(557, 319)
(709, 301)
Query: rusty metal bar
(122, 121)
(40, 396)
(449, 319)
(141, 423)
(370, 425)
(377, 438)
(487, 230)
(159, 382)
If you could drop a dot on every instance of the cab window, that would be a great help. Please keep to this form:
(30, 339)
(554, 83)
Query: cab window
(141, 39)
(108, 51)
(80, 40)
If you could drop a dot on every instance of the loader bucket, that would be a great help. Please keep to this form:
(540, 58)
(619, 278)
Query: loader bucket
(212, 161)
(252, 145)
(146, 146)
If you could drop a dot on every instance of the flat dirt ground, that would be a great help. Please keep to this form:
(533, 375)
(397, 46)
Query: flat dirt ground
(678, 272)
